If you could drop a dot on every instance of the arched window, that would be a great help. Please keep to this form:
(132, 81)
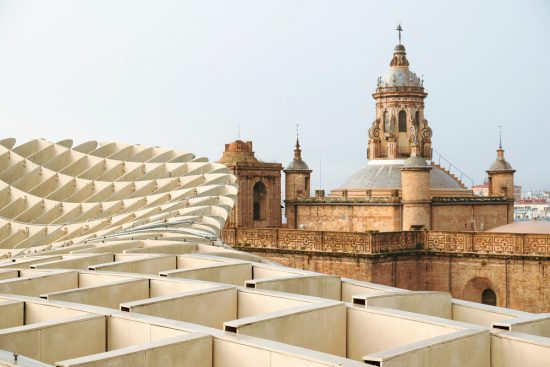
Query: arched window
(259, 201)
(402, 121)
(488, 297)
(417, 118)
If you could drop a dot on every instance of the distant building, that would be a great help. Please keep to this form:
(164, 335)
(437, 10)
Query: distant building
(400, 188)
(483, 190)
(525, 209)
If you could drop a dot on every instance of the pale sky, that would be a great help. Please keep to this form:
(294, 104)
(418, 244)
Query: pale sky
(186, 74)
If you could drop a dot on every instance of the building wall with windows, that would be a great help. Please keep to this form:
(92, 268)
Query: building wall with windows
(259, 198)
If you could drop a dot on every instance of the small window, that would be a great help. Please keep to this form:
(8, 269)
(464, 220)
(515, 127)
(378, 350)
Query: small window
(489, 297)
(259, 201)
(402, 121)
(417, 118)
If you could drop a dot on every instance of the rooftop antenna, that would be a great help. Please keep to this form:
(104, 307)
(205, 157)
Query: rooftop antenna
(499, 136)
(399, 29)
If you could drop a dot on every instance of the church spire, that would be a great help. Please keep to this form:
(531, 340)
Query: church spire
(297, 163)
(297, 150)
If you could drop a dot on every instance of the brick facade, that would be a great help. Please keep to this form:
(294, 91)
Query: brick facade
(515, 266)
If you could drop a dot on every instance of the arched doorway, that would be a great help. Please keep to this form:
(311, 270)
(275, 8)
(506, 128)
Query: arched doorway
(259, 198)
(480, 289)
(489, 297)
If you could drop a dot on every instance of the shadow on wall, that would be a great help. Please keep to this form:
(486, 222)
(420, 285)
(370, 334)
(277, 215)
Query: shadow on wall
(481, 290)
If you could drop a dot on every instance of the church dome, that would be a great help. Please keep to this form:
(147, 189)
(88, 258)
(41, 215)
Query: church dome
(388, 176)
(297, 163)
(399, 74)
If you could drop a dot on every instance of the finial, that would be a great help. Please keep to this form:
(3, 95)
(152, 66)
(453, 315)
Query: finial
(399, 29)
(499, 136)
(238, 131)
(297, 150)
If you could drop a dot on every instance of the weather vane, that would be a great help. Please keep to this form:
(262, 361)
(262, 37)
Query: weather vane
(399, 29)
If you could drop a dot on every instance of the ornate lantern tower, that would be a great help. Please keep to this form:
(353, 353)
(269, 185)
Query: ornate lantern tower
(400, 118)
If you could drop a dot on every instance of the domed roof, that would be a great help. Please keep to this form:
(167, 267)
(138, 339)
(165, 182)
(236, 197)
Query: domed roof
(399, 74)
(400, 78)
(500, 164)
(388, 176)
(297, 165)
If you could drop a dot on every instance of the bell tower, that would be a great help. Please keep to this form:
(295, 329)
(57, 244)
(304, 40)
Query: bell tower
(399, 118)
(501, 180)
(297, 184)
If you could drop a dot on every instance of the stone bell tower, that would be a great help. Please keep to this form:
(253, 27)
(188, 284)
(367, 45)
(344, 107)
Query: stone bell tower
(258, 202)
(501, 181)
(399, 118)
(297, 183)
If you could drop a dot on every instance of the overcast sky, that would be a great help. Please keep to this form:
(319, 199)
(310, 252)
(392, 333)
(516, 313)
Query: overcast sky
(186, 74)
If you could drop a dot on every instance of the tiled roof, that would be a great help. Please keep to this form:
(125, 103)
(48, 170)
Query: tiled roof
(388, 176)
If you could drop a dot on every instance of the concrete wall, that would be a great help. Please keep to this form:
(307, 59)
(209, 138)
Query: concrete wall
(109, 295)
(148, 265)
(41, 312)
(252, 303)
(301, 328)
(75, 262)
(53, 341)
(427, 303)
(325, 286)
(185, 350)
(509, 349)
(217, 305)
(459, 349)
(370, 331)
(235, 274)
(124, 332)
(12, 313)
(38, 284)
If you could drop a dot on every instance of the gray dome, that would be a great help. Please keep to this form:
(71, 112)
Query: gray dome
(297, 165)
(500, 164)
(388, 176)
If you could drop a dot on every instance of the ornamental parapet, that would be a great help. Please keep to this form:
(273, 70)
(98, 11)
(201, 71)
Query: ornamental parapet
(512, 244)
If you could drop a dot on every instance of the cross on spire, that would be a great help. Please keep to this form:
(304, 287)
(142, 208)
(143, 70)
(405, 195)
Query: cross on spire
(500, 136)
(399, 29)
